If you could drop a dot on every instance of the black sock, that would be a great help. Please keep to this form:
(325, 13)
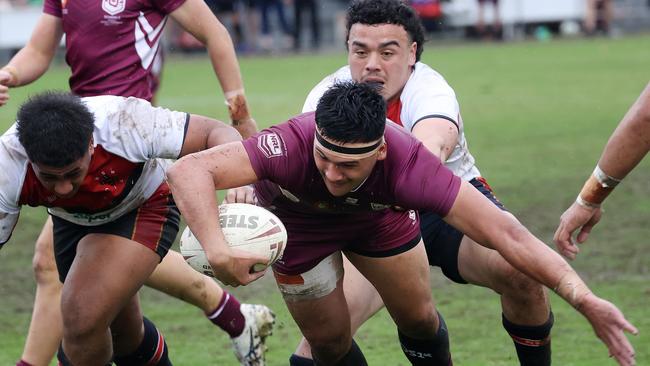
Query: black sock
(63, 360)
(60, 356)
(152, 350)
(296, 360)
(533, 343)
(354, 357)
(428, 351)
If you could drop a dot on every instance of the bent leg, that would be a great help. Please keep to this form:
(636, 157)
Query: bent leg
(176, 278)
(317, 303)
(105, 275)
(362, 298)
(524, 300)
(409, 303)
(45, 328)
(525, 304)
(325, 323)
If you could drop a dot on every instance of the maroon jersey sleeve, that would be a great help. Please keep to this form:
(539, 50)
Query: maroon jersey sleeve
(52, 7)
(280, 153)
(426, 184)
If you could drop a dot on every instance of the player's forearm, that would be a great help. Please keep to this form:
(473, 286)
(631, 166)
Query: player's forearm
(627, 146)
(630, 142)
(535, 259)
(195, 196)
(34, 59)
(226, 67)
(27, 65)
(477, 217)
(195, 17)
(224, 60)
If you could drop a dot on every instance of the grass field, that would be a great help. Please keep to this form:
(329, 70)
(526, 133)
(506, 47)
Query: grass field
(536, 117)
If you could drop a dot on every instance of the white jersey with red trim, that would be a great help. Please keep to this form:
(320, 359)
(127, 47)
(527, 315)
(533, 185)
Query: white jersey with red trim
(131, 139)
(425, 95)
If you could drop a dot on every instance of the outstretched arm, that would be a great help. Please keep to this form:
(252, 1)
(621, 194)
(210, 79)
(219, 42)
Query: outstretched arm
(627, 146)
(193, 180)
(195, 17)
(473, 214)
(32, 60)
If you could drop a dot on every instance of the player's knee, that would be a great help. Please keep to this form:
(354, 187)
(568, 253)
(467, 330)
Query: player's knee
(329, 346)
(79, 322)
(513, 283)
(44, 268)
(420, 323)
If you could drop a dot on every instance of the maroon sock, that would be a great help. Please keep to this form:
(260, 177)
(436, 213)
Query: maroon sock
(23, 363)
(228, 316)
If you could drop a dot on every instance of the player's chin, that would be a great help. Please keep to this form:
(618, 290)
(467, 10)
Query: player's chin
(338, 190)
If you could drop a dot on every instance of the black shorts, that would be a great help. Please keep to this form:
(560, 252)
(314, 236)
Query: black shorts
(154, 224)
(442, 240)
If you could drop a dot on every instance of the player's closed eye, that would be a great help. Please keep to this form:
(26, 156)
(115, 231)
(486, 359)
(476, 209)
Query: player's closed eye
(346, 165)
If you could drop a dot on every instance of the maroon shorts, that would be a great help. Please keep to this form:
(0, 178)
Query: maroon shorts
(373, 234)
(154, 224)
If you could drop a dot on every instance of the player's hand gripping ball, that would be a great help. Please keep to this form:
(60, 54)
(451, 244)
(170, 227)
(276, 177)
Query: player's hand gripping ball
(246, 227)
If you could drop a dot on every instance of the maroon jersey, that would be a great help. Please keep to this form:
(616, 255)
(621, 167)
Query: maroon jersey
(364, 220)
(111, 44)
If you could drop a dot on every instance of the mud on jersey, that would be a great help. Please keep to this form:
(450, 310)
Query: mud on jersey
(131, 139)
(425, 95)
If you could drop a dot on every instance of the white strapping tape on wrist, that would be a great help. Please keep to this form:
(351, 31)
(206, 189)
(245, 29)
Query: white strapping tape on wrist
(605, 180)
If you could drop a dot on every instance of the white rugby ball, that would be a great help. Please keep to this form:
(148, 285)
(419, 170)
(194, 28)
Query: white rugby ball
(246, 227)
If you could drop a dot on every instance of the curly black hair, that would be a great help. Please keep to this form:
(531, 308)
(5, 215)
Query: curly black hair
(371, 12)
(55, 128)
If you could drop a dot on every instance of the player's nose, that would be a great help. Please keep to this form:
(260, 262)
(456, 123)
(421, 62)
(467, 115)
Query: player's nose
(332, 173)
(372, 62)
(63, 188)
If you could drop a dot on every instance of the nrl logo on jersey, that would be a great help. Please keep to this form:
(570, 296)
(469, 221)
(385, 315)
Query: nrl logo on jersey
(270, 144)
(113, 7)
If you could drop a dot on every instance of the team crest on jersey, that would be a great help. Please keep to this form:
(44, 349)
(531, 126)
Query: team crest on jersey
(270, 144)
(412, 215)
(113, 7)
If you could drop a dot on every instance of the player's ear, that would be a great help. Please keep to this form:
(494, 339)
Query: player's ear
(91, 145)
(383, 150)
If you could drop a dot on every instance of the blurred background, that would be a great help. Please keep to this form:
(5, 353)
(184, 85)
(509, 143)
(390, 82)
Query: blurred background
(270, 27)
(541, 84)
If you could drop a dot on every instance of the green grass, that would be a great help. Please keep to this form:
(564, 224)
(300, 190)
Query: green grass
(536, 117)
